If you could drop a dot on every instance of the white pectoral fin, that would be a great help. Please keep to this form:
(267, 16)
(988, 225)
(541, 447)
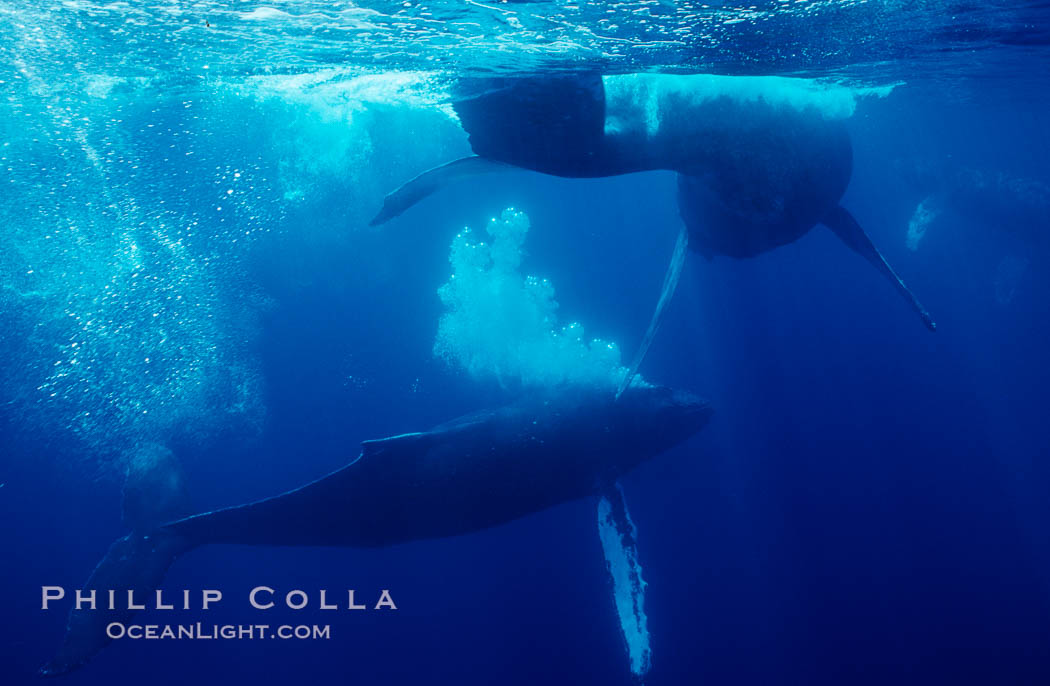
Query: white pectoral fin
(434, 180)
(619, 543)
(674, 274)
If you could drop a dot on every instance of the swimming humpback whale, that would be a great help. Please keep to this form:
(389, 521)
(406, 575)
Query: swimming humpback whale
(994, 218)
(475, 472)
(1016, 207)
(759, 160)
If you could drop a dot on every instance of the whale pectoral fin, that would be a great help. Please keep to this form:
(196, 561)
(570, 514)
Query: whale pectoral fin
(674, 274)
(619, 543)
(433, 180)
(849, 231)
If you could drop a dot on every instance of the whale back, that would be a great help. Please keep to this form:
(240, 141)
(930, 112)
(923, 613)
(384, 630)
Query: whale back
(550, 124)
(479, 471)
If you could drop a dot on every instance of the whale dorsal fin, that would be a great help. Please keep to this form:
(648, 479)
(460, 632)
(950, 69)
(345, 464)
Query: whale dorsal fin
(417, 440)
(434, 180)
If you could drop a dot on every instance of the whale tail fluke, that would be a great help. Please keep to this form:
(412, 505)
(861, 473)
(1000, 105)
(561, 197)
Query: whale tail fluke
(431, 181)
(132, 568)
(154, 493)
(671, 278)
(843, 225)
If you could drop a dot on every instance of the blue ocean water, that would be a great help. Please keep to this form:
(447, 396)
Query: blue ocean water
(186, 260)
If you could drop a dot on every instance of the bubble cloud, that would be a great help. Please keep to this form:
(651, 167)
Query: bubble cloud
(503, 325)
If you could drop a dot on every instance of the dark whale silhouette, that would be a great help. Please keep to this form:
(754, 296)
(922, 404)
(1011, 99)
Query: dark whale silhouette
(756, 168)
(476, 472)
(1017, 207)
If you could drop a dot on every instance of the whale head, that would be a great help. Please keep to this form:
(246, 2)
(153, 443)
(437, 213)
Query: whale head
(642, 423)
(665, 416)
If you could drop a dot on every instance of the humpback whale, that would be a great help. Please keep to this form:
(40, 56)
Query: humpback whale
(759, 160)
(1018, 207)
(475, 472)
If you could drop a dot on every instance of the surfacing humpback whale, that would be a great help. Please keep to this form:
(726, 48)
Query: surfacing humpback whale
(475, 472)
(759, 161)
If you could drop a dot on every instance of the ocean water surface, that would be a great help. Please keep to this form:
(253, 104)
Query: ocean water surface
(186, 261)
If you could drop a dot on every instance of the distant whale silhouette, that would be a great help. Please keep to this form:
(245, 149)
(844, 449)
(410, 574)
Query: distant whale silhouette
(1016, 207)
(476, 472)
(759, 161)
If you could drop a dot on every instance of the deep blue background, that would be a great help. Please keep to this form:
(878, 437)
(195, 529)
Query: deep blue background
(868, 505)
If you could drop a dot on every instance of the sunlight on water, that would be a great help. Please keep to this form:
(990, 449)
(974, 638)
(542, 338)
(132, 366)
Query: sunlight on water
(341, 133)
(119, 253)
(500, 324)
(179, 41)
(129, 315)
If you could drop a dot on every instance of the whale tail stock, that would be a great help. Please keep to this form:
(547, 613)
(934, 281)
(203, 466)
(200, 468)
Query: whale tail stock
(432, 181)
(843, 225)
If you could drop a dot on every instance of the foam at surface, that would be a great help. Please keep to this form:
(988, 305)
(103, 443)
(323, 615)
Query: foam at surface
(634, 97)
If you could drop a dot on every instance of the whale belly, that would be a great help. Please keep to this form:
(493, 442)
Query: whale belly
(766, 188)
